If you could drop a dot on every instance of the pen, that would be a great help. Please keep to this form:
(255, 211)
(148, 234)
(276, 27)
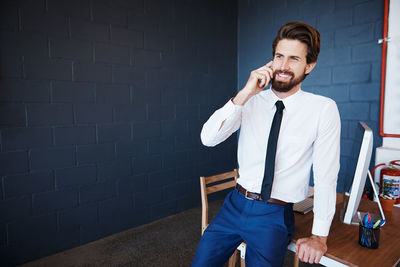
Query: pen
(365, 220)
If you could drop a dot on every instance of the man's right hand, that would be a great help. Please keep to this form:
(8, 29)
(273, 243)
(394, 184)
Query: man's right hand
(257, 81)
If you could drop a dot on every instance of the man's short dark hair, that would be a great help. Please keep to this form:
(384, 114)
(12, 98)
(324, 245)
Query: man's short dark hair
(304, 33)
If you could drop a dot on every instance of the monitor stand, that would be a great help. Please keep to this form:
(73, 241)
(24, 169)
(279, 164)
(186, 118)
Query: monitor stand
(359, 215)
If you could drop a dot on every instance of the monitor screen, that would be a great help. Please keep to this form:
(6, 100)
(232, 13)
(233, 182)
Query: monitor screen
(356, 138)
(361, 152)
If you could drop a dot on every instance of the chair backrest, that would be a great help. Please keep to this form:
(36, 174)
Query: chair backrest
(222, 181)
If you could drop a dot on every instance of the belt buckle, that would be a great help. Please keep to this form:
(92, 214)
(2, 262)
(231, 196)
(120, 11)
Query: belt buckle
(245, 195)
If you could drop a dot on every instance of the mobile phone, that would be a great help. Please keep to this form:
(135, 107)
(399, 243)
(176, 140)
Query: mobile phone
(270, 81)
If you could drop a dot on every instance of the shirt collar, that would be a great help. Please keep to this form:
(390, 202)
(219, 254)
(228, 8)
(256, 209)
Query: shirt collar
(289, 102)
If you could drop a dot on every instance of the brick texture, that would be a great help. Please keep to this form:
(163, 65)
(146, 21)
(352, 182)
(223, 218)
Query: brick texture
(25, 138)
(18, 91)
(73, 92)
(26, 184)
(102, 102)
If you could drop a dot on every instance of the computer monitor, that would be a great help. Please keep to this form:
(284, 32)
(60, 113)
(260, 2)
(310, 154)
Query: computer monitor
(362, 146)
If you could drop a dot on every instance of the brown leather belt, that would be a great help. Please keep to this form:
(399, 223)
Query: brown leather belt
(256, 196)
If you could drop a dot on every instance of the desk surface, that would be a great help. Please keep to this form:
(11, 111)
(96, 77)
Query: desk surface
(343, 239)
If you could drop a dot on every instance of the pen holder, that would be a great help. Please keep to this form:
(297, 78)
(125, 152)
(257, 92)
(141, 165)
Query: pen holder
(368, 237)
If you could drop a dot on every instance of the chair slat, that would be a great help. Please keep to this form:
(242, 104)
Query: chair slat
(219, 177)
(220, 187)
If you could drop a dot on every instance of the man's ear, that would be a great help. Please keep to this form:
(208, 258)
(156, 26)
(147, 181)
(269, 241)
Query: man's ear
(310, 67)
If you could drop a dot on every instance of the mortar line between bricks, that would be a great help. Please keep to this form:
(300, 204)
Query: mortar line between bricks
(48, 47)
(76, 156)
(29, 161)
(7, 236)
(26, 115)
(53, 136)
(109, 32)
(113, 115)
(19, 19)
(79, 196)
(91, 10)
(54, 179)
(69, 27)
(93, 52)
(23, 67)
(32, 199)
(3, 188)
(51, 91)
(73, 71)
(97, 133)
(80, 232)
(130, 94)
(74, 119)
(57, 221)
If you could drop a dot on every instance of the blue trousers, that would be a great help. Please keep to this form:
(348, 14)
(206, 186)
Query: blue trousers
(266, 228)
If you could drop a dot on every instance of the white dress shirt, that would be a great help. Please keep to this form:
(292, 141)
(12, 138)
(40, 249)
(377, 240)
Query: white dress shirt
(309, 137)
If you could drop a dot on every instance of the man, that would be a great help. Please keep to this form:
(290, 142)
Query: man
(284, 132)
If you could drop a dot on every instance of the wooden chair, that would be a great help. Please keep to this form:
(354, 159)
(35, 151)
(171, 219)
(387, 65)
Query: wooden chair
(218, 183)
(222, 181)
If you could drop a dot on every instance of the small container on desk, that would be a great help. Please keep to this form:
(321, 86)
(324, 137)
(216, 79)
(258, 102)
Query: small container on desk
(368, 237)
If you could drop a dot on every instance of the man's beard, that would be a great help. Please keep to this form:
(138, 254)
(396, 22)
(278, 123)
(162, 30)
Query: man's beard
(286, 86)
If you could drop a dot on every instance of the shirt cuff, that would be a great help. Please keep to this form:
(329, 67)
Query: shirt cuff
(230, 108)
(229, 111)
(321, 227)
(212, 134)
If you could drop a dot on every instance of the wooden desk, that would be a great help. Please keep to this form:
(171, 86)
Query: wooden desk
(343, 247)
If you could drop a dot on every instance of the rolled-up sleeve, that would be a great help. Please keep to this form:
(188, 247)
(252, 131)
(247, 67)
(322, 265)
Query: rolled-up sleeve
(212, 133)
(326, 156)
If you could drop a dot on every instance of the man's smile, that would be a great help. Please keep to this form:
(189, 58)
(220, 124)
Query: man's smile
(283, 76)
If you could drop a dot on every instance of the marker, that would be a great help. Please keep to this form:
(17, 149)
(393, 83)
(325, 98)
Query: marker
(369, 221)
(376, 224)
(365, 220)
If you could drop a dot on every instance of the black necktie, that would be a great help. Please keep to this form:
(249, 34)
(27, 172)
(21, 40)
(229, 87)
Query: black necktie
(271, 151)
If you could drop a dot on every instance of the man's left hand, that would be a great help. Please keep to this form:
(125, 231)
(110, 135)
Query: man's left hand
(311, 249)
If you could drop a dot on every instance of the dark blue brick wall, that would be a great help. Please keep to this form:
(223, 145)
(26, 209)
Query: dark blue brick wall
(348, 68)
(101, 107)
(101, 104)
